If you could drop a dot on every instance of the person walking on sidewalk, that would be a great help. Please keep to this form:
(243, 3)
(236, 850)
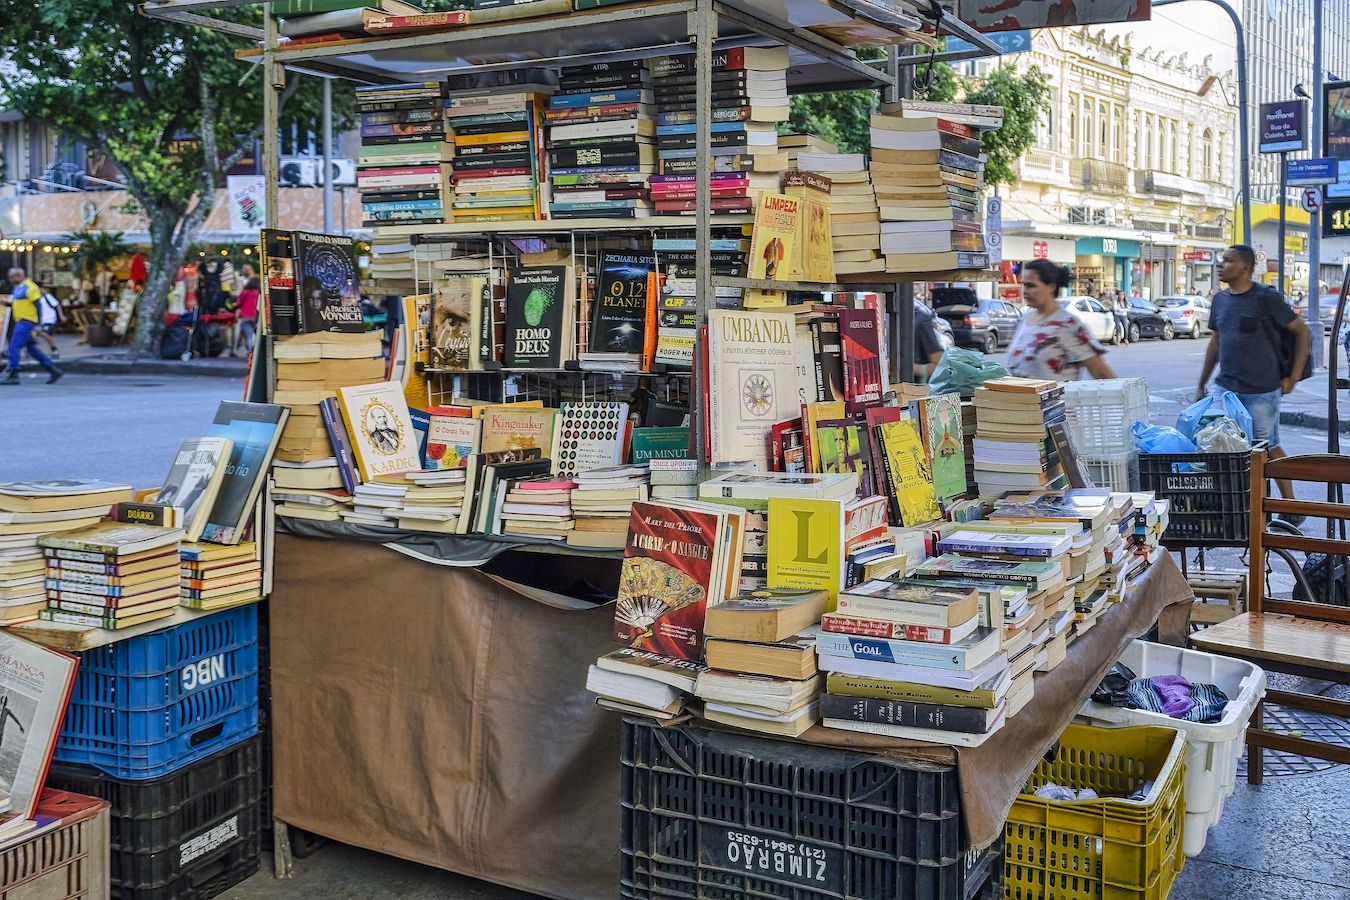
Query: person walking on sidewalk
(1245, 323)
(23, 301)
(1050, 342)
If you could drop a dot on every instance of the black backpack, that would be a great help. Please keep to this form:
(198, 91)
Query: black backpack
(1285, 342)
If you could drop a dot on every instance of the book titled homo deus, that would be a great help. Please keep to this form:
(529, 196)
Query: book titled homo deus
(537, 301)
(329, 297)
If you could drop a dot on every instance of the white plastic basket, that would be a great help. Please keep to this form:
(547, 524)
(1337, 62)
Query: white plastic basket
(1117, 471)
(1100, 414)
(1212, 750)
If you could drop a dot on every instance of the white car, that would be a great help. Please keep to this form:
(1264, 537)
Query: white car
(1100, 321)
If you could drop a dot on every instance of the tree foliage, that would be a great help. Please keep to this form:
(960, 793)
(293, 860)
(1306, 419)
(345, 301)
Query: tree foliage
(168, 103)
(843, 116)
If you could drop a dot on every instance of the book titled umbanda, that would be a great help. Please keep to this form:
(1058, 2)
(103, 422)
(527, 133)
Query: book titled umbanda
(380, 428)
(536, 305)
(329, 296)
(669, 568)
(255, 429)
(751, 365)
(621, 303)
(194, 481)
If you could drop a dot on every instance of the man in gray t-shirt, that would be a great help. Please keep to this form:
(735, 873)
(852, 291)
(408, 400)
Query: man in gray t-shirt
(1246, 320)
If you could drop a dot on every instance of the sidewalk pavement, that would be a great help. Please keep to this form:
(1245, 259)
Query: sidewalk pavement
(1306, 407)
(81, 358)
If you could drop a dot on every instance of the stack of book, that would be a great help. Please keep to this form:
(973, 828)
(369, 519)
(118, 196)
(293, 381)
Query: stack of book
(111, 575)
(600, 149)
(498, 164)
(213, 576)
(642, 682)
(854, 216)
(30, 510)
(539, 508)
(1013, 448)
(749, 99)
(405, 153)
(304, 384)
(433, 501)
(761, 658)
(1150, 523)
(914, 661)
(602, 503)
(674, 479)
(377, 503)
(928, 174)
(295, 499)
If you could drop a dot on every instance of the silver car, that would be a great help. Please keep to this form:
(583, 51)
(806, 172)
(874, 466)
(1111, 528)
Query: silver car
(1189, 314)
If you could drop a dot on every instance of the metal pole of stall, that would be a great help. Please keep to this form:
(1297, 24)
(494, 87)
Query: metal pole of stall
(327, 155)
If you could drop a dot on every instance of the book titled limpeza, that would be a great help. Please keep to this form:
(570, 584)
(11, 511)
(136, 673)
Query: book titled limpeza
(679, 559)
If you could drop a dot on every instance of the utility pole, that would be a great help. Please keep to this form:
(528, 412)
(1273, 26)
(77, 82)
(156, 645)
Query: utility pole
(1314, 309)
(1284, 205)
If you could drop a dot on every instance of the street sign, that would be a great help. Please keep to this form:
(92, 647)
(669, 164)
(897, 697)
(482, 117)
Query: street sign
(1261, 257)
(1311, 172)
(1288, 262)
(1006, 41)
(1312, 200)
(993, 230)
(1284, 127)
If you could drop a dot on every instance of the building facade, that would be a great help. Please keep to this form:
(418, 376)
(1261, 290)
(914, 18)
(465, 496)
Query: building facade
(1130, 181)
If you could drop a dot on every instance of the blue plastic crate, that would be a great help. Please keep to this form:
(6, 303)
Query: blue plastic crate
(205, 671)
(159, 669)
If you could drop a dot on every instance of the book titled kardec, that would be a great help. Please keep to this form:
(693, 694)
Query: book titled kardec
(380, 428)
(680, 557)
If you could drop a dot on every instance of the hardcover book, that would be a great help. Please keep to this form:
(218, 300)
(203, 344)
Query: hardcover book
(939, 420)
(254, 430)
(537, 305)
(329, 297)
(829, 359)
(35, 686)
(909, 477)
(621, 303)
(861, 341)
(752, 363)
(194, 481)
(380, 428)
(774, 239)
(675, 563)
(456, 312)
(278, 282)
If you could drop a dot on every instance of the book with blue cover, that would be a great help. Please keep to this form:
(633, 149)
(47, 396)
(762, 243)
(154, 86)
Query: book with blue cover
(255, 429)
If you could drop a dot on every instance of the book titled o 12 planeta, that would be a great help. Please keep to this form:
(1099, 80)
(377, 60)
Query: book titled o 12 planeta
(255, 430)
(621, 303)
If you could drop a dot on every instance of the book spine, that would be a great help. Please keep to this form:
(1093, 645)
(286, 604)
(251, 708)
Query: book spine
(905, 713)
(973, 548)
(940, 572)
(818, 354)
(835, 623)
(937, 656)
(899, 612)
(342, 451)
(862, 686)
(67, 618)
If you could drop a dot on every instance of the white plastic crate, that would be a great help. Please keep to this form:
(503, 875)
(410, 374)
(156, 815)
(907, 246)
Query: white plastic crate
(1100, 414)
(1117, 471)
(1212, 750)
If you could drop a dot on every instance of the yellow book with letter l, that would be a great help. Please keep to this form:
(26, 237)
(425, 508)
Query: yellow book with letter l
(909, 476)
(806, 545)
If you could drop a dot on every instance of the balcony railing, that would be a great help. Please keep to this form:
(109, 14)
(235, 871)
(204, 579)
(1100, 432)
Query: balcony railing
(1099, 175)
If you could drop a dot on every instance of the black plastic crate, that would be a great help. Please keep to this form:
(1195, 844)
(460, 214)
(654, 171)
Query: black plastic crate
(716, 816)
(1210, 494)
(189, 835)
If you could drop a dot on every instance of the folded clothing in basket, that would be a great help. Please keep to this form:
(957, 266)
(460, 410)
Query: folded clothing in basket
(1175, 696)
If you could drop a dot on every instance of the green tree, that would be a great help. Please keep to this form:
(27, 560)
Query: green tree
(168, 103)
(1025, 98)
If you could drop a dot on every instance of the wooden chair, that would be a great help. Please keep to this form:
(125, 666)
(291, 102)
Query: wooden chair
(1294, 637)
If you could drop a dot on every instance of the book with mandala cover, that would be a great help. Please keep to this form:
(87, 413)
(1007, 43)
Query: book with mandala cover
(381, 429)
(752, 366)
(676, 563)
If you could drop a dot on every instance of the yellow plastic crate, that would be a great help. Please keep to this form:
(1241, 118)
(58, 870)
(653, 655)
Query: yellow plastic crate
(1105, 849)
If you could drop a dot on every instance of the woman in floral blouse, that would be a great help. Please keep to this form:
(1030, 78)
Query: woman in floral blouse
(1050, 342)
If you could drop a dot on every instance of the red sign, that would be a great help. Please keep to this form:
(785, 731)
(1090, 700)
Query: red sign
(1040, 249)
(1200, 256)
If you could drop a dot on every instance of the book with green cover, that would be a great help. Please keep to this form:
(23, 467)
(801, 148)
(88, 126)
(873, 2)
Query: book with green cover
(939, 419)
(310, 7)
(660, 443)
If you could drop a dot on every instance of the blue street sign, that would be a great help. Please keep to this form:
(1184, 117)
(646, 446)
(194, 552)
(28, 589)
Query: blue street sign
(1310, 172)
(1007, 41)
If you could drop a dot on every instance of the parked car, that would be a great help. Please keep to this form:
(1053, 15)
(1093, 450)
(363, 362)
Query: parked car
(970, 326)
(1189, 314)
(1100, 321)
(1328, 311)
(1145, 319)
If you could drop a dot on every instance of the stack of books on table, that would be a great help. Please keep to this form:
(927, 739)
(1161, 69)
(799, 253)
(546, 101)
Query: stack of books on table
(28, 511)
(404, 154)
(855, 222)
(311, 368)
(749, 99)
(312, 491)
(1150, 523)
(915, 661)
(216, 576)
(644, 683)
(600, 141)
(432, 501)
(760, 650)
(539, 507)
(499, 163)
(1013, 448)
(602, 503)
(111, 575)
(928, 173)
(377, 503)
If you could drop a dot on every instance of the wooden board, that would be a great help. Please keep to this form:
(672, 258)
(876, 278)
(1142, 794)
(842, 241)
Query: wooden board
(77, 638)
(1297, 642)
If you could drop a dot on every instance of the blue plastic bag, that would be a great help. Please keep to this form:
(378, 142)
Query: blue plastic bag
(1199, 414)
(1161, 439)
